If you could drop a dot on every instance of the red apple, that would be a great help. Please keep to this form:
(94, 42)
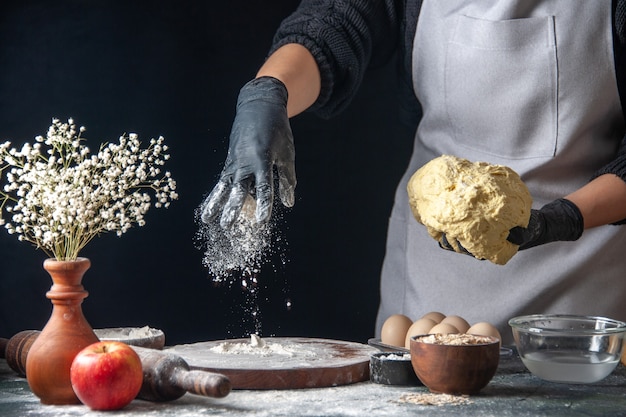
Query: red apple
(106, 375)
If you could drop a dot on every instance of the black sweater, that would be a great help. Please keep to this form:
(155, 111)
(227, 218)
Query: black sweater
(348, 36)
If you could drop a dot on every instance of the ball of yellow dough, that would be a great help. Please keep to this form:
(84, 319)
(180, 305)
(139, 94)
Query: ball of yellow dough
(472, 203)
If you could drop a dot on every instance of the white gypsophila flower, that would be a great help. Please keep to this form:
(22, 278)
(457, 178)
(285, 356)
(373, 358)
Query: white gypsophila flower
(61, 196)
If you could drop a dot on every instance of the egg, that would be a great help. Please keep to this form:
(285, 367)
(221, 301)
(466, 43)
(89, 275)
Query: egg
(457, 321)
(435, 316)
(394, 330)
(421, 326)
(484, 329)
(444, 328)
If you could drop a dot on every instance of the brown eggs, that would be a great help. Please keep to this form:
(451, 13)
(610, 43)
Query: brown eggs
(435, 316)
(484, 329)
(398, 329)
(419, 327)
(394, 330)
(457, 321)
(444, 328)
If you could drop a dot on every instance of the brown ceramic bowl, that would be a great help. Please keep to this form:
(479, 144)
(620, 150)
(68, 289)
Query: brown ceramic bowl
(454, 368)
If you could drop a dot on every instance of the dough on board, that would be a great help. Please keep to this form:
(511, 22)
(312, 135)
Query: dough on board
(475, 203)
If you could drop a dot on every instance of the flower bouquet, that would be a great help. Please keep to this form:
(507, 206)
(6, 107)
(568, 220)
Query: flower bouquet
(59, 197)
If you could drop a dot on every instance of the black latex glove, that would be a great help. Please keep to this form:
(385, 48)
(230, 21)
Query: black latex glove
(559, 220)
(453, 245)
(260, 140)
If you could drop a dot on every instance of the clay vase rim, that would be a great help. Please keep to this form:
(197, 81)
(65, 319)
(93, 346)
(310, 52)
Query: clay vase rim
(79, 259)
(78, 265)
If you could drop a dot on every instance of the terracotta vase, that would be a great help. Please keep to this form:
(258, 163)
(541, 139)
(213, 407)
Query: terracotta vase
(66, 333)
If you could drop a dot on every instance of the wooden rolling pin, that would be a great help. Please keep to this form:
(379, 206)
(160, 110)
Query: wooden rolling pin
(16, 349)
(166, 376)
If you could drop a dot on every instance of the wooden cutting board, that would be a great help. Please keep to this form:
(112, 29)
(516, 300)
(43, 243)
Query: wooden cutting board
(284, 363)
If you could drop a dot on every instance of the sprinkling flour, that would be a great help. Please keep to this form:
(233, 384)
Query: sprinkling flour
(241, 248)
(236, 255)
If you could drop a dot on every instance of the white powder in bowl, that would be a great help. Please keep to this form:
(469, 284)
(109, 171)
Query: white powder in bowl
(396, 357)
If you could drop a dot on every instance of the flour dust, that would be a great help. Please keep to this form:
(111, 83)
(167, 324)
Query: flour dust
(236, 256)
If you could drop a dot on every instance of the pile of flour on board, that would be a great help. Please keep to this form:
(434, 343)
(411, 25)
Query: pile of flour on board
(258, 346)
(242, 248)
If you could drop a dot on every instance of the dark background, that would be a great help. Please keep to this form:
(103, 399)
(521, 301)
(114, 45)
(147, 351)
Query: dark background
(174, 68)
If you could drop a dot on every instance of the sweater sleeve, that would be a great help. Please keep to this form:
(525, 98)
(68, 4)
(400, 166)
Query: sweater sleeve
(345, 38)
(618, 165)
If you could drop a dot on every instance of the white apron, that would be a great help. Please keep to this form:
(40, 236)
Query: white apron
(531, 85)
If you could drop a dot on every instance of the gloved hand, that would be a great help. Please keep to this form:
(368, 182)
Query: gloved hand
(260, 140)
(559, 220)
(453, 245)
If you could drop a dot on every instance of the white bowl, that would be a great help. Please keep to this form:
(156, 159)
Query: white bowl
(135, 336)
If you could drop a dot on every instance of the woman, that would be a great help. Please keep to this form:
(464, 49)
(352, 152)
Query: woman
(534, 85)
